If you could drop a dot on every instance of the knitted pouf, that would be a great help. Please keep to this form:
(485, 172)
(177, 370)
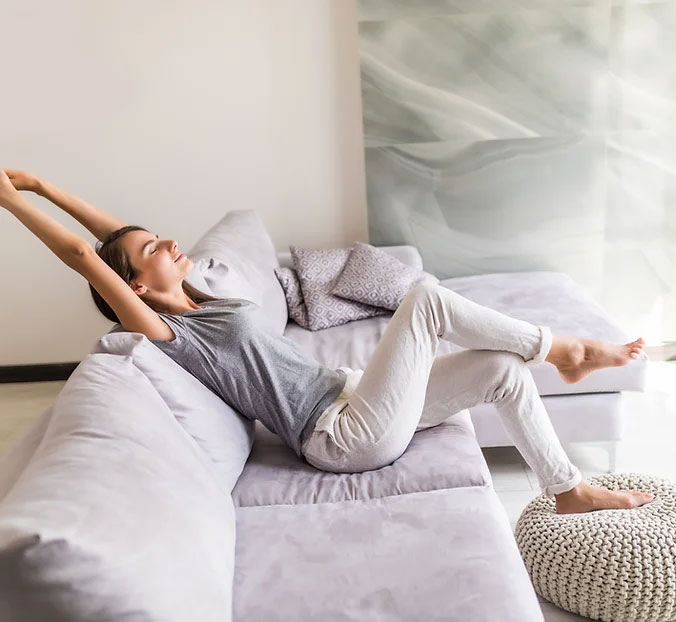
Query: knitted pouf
(611, 565)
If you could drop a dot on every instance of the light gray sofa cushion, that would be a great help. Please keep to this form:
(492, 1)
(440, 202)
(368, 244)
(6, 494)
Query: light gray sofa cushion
(244, 259)
(441, 555)
(221, 432)
(318, 270)
(445, 456)
(117, 515)
(375, 277)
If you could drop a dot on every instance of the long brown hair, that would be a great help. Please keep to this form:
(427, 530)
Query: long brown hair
(113, 253)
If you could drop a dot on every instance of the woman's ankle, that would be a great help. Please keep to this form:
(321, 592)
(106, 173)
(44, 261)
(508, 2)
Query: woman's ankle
(565, 351)
(575, 492)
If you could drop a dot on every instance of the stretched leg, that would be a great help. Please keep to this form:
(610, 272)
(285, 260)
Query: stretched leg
(381, 415)
(379, 420)
(464, 379)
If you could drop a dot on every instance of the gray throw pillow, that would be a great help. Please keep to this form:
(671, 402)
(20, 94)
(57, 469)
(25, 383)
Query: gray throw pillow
(373, 276)
(294, 295)
(317, 271)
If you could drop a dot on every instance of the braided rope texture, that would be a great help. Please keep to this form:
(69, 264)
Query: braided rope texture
(610, 565)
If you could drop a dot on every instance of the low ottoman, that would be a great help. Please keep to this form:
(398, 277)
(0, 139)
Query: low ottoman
(610, 565)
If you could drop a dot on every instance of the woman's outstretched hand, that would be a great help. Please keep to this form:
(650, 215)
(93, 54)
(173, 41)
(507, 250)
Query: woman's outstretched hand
(7, 189)
(22, 180)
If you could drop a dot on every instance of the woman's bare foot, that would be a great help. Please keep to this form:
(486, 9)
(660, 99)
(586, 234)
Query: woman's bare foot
(586, 498)
(576, 357)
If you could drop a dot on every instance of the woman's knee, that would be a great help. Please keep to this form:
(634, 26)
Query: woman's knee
(423, 291)
(504, 371)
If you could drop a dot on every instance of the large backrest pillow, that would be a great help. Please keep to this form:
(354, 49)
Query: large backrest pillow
(117, 515)
(236, 258)
(221, 432)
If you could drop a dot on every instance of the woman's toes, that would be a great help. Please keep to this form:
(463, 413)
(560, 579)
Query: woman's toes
(641, 498)
(635, 348)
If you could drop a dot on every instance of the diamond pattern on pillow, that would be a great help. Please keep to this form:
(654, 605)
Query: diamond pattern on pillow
(294, 295)
(373, 276)
(318, 270)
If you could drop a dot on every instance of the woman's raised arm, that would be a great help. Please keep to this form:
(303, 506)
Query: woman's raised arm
(65, 244)
(134, 314)
(91, 217)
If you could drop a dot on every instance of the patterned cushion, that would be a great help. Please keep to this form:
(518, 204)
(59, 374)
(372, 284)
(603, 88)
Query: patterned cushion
(317, 271)
(294, 295)
(375, 277)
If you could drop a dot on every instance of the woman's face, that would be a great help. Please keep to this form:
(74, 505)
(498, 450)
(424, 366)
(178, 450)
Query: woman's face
(160, 264)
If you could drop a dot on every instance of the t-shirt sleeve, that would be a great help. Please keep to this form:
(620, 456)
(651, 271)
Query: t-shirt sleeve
(177, 325)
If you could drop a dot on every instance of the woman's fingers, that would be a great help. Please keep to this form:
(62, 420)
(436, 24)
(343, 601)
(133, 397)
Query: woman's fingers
(6, 188)
(21, 180)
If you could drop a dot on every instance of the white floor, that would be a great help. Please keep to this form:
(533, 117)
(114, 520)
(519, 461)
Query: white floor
(647, 447)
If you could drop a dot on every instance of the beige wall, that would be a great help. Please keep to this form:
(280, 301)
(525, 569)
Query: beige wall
(168, 114)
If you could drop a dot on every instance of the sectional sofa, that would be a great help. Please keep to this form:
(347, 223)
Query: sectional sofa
(139, 495)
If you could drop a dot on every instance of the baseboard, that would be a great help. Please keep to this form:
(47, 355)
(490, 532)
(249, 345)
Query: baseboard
(36, 373)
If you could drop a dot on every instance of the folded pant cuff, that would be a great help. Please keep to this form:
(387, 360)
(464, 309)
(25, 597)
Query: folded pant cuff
(545, 346)
(550, 491)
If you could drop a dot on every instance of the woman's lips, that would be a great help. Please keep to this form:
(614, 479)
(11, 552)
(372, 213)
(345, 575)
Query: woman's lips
(181, 256)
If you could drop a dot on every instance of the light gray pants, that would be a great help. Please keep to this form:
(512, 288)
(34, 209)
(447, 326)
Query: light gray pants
(406, 387)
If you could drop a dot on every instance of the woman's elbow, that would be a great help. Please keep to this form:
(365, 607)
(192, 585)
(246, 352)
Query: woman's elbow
(77, 254)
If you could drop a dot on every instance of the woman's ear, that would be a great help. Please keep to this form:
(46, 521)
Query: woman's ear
(138, 289)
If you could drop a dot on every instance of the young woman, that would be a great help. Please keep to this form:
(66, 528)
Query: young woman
(339, 420)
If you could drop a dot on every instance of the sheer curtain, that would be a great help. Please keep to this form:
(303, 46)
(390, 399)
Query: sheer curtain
(504, 139)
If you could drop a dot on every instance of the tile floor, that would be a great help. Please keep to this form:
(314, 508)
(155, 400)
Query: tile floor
(647, 447)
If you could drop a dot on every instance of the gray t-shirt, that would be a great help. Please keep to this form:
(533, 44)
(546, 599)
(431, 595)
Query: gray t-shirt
(261, 375)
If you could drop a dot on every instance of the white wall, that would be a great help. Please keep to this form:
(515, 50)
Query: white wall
(169, 114)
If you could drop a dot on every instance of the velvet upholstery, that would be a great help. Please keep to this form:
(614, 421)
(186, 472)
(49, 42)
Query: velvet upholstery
(445, 456)
(443, 555)
(117, 515)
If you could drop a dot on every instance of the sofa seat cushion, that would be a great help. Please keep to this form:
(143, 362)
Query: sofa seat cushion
(440, 555)
(547, 298)
(445, 456)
